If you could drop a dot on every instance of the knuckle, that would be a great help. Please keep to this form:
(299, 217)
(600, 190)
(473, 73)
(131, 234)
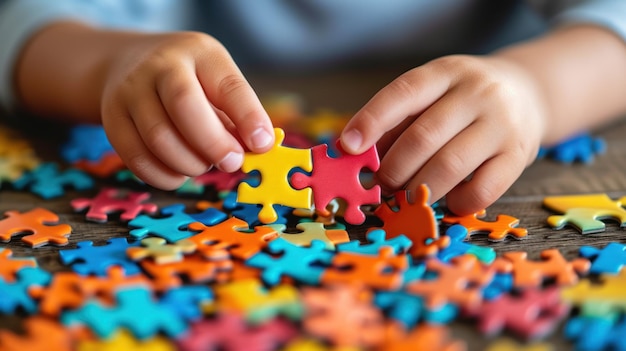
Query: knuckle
(482, 194)
(157, 135)
(231, 84)
(452, 163)
(391, 179)
(403, 87)
(422, 138)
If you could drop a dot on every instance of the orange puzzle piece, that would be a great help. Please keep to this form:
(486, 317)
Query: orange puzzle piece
(499, 230)
(194, 267)
(38, 223)
(425, 337)
(42, 334)
(10, 265)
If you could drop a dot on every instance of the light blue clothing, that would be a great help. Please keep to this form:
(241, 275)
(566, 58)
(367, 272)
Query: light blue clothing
(300, 34)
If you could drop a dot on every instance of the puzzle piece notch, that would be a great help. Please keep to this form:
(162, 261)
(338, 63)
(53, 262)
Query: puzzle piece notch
(89, 259)
(110, 200)
(160, 251)
(552, 265)
(38, 223)
(274, 189)
(49, 182)
(339, 178)
(250, 212)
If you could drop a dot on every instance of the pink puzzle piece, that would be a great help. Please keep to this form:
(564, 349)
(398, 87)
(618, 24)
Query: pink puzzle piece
(110, 200)
(339, 178)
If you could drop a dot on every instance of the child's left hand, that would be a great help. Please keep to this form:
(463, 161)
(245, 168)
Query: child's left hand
(466, 126)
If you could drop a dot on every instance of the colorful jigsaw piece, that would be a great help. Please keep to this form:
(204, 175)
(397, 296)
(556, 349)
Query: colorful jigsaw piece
(193, 267)
(608, 260)
(38, 223)
(458, 234)
(552, 266)
(250, 212)
(424, 337)
(596, 333)
(89, 259)
(9, 265)
(49, 182)
(313, 231)
(339, 178)
(111, 200)
(376, 239)
(42, 334)
(585, 212)
(14, 295)
(274, 189)
(86, 142)
(123, 340)
(188, 300)
(160, 251)
(579, 148)
(601, 298)
(504, 226)
(409, 309)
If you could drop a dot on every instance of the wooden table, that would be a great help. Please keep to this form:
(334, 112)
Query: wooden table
(346, 92)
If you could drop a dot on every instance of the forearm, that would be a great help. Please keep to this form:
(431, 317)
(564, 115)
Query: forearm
(581, 75)
(61, 71)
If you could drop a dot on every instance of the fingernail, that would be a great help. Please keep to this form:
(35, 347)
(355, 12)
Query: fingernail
(261, 138)
(231, 162)
(352, 139)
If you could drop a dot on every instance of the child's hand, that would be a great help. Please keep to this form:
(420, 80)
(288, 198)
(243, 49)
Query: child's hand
(175, 104)
(454, 117)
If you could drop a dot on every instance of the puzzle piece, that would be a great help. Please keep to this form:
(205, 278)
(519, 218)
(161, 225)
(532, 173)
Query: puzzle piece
(552, 266)
(105, 167)
(49, 182)
(221, 181)
(533, 314)
(250, 298)
(188, 300)
(160, 251)
(503, 227)
(376, 239)
(230, 332)
(384, 271)
(90, 259)
(339, 178)
(123, 340)
(304, 264)
(111, 200)
(598, 298)
(313, 231)
(585, 212)
(416, 220)
(343, 315)
(38, 223)
(104, 321)
(460, 281)
(274, 189)
(579, 148)
(9, 265)
(42, 334)
(250, 212)
(409, 309)
(609, 260)
(86, 142)
(457, 234)
(227, 235)
(14, 295)
(12, 167)
(424, 337)
(596, 333)
(193, 267)
(505, 344)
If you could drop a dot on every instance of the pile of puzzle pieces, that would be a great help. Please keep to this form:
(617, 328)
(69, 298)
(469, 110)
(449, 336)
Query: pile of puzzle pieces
(269, 264)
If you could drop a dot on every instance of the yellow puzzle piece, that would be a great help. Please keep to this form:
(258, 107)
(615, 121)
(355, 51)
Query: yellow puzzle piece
(585, 212)
(124, 340)
(274, 189)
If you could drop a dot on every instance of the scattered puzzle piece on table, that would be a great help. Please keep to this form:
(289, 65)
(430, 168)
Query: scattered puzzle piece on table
(424, 337)
(256, 303)
(598, 298)
(230, 332)
(313, 231)
(533, 314)
(229, 235)
(173, 225)
(12, 167)
(10, 265)
(86, 142)
(608, 260)
(304, 264)
(376, 239)
(188, 300)
(458, 234)
(585, 212)
(274, 189)
(194, 268)
(104, 321)
(111, 200)
(504, 226)
(384, 271)
(89, 259)
(409, 309)
(552, 266)
(596, 333)
(343, 315)
(160, 251)
(416, 220)
(41, 334)
(250, 212)
(579, 148)
(123, 340)
(39, 224)
(339, 178)
(49, 182)
(14, 295)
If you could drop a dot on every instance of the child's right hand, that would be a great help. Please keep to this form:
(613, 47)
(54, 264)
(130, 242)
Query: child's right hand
(174, 105)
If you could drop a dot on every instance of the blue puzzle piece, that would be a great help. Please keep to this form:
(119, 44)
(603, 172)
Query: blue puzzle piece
(501, 283)
(416, 271)
(580, 148)
(375, 240)
(135, 310)
(305, 264)
(14, 295)
(458, 246)
(86, 142)
(89, 259)
(187, 300)
(410, 309)
(610, 260)
(250, 212)
(173, 226)
(48, 182)
(596, 333)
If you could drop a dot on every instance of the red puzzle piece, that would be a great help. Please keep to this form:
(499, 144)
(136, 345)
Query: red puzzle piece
(109, 200)
(415, 220)
(38, 223)
(504, 225)
(229, 235)
(339, 178)
(222, 181)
